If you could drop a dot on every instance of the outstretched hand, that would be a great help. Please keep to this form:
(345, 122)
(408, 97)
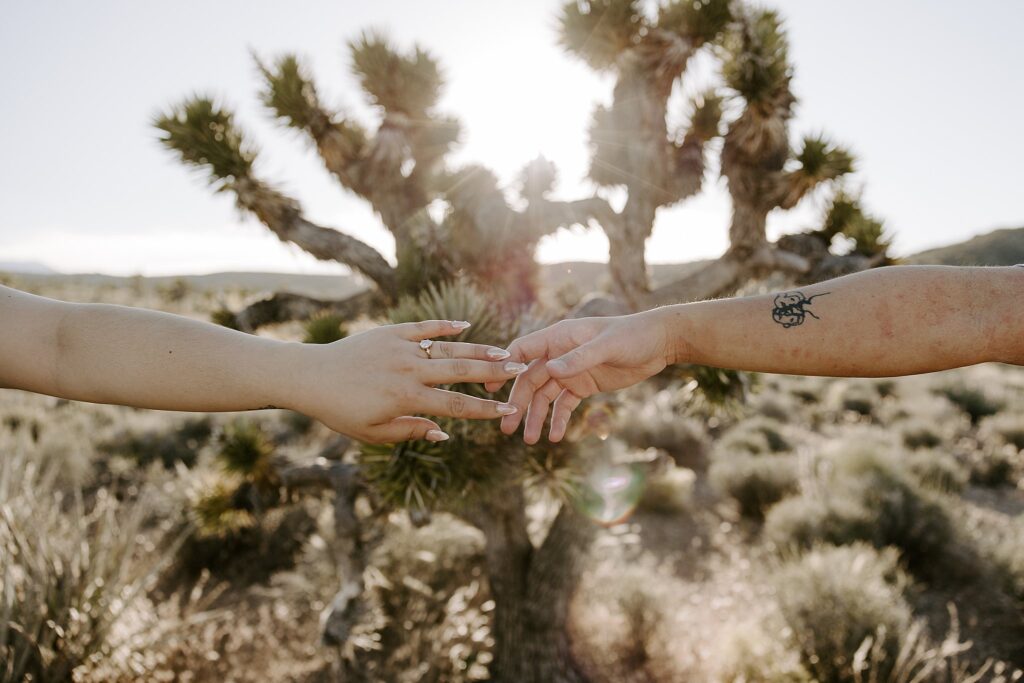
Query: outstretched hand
(574, 359)
(373, 385)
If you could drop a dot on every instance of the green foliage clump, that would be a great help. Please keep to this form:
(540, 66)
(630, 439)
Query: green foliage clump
(424, 476)
(399, 83)
(700, 20)
(180, 444)
(324, 328)
(598, 31)
(936, 470)
(69, 568)
(246, 452)
(668, 492)
(845, 216)
(203, 133)
(992, 467)
(921, 434)
(975, 402)
(224, 317)
(858, 399)
(755, 483)
(1007, 428)
(756, 59)
(833, 599)
(869, 498)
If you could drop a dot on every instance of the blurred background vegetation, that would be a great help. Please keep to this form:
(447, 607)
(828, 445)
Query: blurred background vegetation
(706, 525)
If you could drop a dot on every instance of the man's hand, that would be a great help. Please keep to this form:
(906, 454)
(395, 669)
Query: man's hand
(574, 359)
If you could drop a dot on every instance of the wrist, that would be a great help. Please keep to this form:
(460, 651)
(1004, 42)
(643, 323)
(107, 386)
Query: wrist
(291, 366)
(669, 323)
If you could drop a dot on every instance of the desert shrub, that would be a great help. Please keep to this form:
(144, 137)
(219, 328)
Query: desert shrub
(668, 492)
(433, 604)
(936, 470)
(1006, 428)
(992, 467)
(885, 387)
(755, 652)
(755, 483)
(168, 447)
(324, 328)
(245, 451)
(753, 435)
(659, 426)
(643, 619)
(867, 498)
(833, 598)
(68, 568)
(921, 434)
(975, 402)
(858, 399)
(224, 317)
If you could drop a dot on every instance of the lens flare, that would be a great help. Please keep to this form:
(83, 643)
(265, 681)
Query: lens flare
(610, 493)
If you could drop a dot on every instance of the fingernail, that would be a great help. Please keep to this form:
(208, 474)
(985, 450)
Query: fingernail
(497, 354)
(460, 324)
(558, 365)
(515, 368)
(436, 435)
(507, 409)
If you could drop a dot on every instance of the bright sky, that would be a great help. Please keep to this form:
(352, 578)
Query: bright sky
(926, 92)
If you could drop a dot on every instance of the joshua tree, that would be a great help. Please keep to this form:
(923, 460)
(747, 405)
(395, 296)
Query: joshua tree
(763, 171)
(631, 146)
(480, 252)
(399, 169)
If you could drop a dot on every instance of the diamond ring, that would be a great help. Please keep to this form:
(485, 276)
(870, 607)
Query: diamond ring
(425, 345)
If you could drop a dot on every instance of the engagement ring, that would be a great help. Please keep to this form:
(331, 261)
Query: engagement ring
(425, 345)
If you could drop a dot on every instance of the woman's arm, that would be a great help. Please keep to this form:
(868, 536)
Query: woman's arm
(884, 322)
(367, 385)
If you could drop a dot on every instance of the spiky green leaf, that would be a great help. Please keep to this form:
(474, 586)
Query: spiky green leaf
(756, 57)
(597, 31)
(204, 134)
(404, 83)
(699, 20)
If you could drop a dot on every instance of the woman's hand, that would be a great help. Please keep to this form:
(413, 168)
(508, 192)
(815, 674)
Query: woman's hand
(370, 385)
(574, 359)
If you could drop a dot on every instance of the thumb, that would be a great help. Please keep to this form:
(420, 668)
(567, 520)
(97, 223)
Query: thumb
(410, 429)
(580, 359)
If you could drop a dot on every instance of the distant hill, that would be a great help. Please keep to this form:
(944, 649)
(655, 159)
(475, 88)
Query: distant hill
(1000, 247)
(34, 267)
(997, 248)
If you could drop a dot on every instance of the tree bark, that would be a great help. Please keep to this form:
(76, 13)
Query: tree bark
(532, 589)
(285, 307)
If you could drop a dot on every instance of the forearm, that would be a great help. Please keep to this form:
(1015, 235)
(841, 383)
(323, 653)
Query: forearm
(884, 322)
(147, 359)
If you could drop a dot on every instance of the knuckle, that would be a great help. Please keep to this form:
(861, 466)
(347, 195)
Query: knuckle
(456, 405)
(444, 349)
(460, 368)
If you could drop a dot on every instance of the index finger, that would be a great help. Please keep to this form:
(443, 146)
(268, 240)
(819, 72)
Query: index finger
(526, 348)
(425, 329)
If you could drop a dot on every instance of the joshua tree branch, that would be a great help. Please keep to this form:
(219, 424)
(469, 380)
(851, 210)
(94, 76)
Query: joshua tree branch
(347, 544)
(285, 307)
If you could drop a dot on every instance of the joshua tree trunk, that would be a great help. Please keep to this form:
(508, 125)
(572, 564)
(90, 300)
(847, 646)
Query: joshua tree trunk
(532, 588)
(747, 234)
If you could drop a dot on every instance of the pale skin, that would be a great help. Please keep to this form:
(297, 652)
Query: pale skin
(371, 386)
(886, 322)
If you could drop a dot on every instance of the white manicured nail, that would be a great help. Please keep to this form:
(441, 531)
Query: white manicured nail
(507, 409)
(436, 435)
(460, 324)
(497, 354)
(515, 368)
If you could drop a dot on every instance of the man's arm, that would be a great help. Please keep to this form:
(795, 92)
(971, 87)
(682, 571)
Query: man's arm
(889, 321)
(883, 322)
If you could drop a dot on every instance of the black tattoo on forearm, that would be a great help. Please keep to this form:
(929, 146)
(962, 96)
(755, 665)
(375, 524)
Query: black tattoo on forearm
(791, 308)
